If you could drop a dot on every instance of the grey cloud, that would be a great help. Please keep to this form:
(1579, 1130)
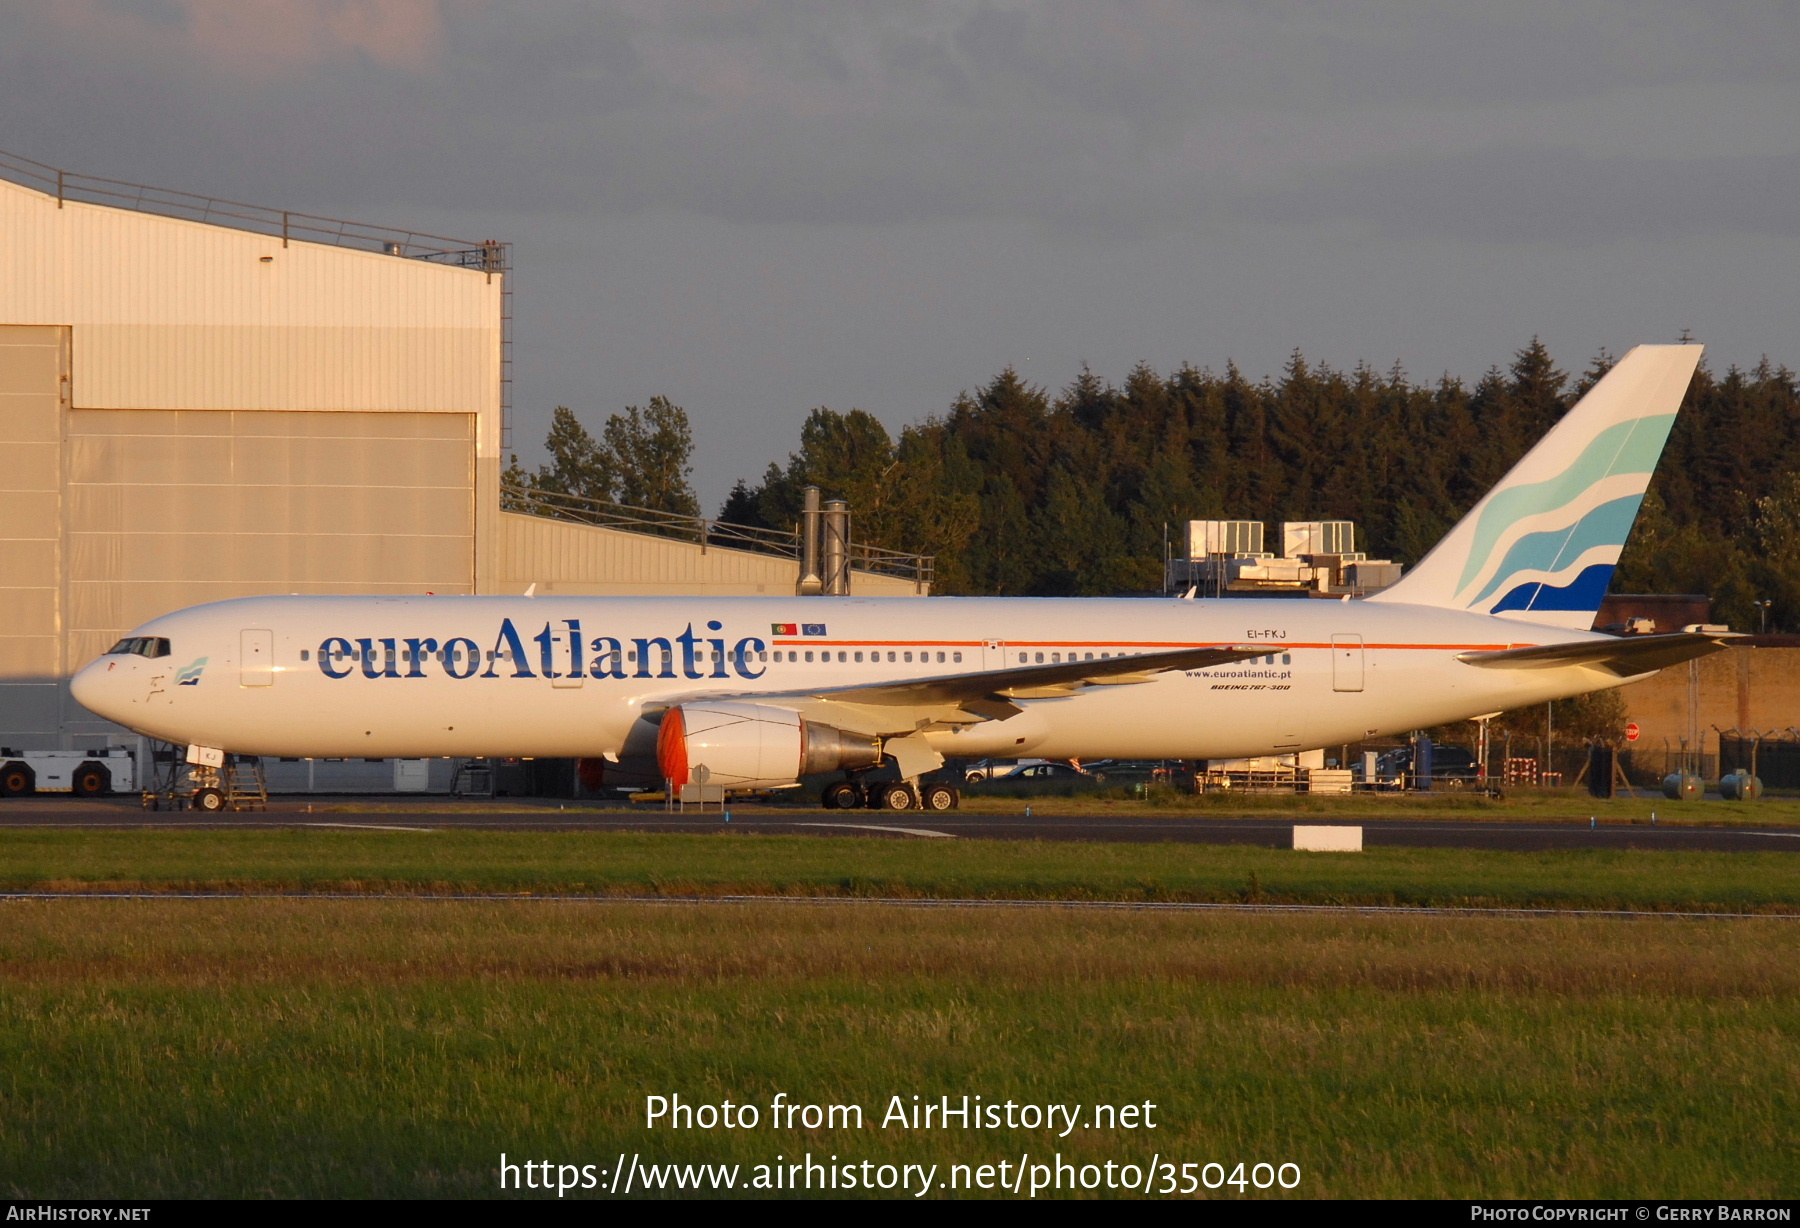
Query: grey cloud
(1532, 194)
(1115, 118)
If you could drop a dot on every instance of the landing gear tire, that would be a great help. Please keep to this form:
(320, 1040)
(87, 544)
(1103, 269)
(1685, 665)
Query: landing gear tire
(841, 796)
(16, 780)
(939, 797)
(209, 799)
(898, 797)
(91, 780)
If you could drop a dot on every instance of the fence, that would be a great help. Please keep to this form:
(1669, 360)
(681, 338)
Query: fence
(578, 509)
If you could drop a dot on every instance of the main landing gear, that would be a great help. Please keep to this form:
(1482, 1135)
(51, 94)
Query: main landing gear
(889, 795)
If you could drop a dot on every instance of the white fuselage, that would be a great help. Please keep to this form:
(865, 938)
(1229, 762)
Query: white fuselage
(379, 676)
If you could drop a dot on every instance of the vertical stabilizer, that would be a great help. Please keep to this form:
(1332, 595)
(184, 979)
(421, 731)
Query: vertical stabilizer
(1542, 545)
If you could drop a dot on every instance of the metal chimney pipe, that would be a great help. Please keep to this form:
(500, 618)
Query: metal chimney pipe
(836, 560)
(810, 585)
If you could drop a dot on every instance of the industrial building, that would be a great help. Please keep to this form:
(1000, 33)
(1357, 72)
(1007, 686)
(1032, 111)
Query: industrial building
(201, 399)
(1226, 558)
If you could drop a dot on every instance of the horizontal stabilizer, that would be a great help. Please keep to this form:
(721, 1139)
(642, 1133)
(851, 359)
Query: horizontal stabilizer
(1625, 656)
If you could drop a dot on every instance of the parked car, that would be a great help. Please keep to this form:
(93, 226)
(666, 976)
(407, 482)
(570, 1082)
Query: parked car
(1050, 771)
(994, 769)
(1452, 767)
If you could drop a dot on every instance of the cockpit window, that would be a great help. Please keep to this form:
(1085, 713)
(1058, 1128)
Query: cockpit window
(140, 646)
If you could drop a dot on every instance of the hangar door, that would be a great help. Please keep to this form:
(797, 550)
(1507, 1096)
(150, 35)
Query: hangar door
(1346, 663)
(170, 508)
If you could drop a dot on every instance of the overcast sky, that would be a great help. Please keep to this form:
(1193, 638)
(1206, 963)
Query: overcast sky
(759, 206)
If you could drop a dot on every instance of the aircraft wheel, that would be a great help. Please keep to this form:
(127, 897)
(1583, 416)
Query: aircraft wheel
(91, 780)
(939, 797)
(209, 799)
(17, 780)
(841, 796)
(898, 797)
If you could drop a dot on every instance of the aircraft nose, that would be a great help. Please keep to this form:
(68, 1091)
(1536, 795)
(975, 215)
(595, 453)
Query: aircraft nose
(96, 687)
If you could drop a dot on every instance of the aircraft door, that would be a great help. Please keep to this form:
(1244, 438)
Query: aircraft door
(256, 658)
(571, 662)
(1346, 663)
(993, 654)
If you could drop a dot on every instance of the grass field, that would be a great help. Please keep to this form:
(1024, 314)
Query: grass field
(666, 864)
(326, 1046)
(312, 1047)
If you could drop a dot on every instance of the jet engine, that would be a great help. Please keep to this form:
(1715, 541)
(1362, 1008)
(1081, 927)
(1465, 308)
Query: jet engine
(754, 746)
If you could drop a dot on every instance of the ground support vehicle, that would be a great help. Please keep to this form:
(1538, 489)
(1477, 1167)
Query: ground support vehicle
(95, 772)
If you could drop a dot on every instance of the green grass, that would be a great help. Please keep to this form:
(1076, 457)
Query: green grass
(630, 863)
(381, 1048)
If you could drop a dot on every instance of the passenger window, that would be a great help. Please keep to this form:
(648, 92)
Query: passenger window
(940, 658)
(890, 658)
(957, 657)
(1040, 658)
(762, 656)
(1056, 657)
(1090, 656)
(809, 657)
(1286, 659)
(305, 655)
(840, 656)
(631, 654)
(859, 658)
(907, 656)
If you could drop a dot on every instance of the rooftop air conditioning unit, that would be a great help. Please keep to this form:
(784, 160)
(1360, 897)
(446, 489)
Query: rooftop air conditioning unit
(1224, 537)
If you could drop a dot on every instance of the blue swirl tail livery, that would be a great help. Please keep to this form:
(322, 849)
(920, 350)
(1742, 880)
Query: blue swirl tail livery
(1542, 546)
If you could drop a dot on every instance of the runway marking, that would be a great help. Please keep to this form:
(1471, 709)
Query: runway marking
(904, 831)
(1389, 910)
(369, 826)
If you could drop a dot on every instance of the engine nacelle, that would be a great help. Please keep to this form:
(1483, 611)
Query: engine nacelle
(754, 746)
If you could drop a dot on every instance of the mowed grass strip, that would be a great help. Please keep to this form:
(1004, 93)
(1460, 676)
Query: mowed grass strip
(381, 1048)
(638, 863)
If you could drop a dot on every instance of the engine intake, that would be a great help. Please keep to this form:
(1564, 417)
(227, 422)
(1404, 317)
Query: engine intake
(754, 746)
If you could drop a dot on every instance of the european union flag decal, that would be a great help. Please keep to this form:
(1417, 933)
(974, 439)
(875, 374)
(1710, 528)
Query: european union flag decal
(812, 628)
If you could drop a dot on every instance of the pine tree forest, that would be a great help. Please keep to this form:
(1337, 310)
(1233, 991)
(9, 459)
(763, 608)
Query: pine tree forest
(1018, 491)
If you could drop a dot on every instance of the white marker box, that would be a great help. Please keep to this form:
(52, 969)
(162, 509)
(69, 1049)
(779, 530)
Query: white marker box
(1328, 839)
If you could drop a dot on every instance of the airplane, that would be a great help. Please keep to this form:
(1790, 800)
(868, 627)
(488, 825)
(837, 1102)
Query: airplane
(753, 693)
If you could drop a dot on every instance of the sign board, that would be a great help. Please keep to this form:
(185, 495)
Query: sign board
(1632, 731)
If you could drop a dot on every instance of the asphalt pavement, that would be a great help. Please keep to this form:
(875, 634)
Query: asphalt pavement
(1256, 829)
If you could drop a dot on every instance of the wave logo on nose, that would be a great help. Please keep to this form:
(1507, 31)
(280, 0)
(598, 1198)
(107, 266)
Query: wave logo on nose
(189, 675)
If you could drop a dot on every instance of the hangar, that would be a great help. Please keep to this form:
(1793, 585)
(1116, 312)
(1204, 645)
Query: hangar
(202, 399)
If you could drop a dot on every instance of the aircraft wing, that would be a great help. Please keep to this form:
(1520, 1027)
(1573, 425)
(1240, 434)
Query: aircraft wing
(1624, 656)
(1040, 681)
(956, 699)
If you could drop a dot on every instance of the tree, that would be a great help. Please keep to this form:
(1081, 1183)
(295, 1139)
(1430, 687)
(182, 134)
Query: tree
(651, 451)
(578, 465)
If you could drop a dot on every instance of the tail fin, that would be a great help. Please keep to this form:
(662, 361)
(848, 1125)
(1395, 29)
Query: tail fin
(1542, 545)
